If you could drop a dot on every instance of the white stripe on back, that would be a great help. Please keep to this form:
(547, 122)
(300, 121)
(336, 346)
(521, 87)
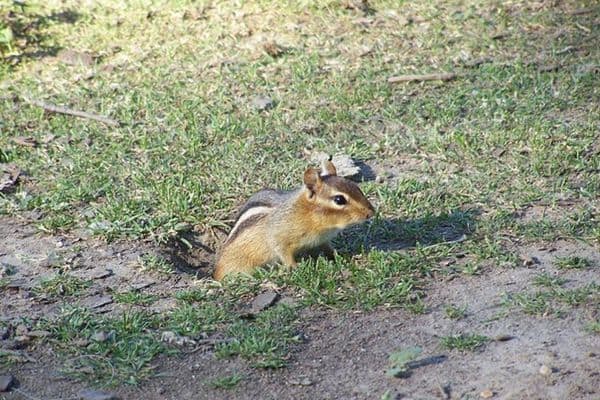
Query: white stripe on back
(247, 214)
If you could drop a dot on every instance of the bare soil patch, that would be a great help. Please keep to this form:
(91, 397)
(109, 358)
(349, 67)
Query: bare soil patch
(341, 354)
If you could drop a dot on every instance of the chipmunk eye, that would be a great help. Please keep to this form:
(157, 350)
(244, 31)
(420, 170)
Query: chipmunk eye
(339, 200)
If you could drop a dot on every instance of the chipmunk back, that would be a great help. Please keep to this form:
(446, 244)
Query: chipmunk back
(277, 225)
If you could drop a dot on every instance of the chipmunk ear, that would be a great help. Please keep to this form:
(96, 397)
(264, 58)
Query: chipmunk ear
(327, 168)
(312, 179)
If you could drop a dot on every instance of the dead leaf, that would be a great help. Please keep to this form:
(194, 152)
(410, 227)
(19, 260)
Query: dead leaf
(273, 49)
(25, 141)
(72, 57)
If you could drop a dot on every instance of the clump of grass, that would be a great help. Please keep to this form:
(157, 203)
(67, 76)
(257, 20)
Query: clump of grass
(578, 296)
(155, 263)
(192, 295)
(124, 355)
(455, 312)
(545, 303)
(464, 342)
(548, 280)
(383, 278)
(471, 269)
(255, 339)
(226, 382)
(593, 327)
(62, 285)
(192, 320)
(573, 262)
(537, 304)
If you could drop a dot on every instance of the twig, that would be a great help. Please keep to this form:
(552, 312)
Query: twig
(420, 78)
(581, 11)
(81, 114)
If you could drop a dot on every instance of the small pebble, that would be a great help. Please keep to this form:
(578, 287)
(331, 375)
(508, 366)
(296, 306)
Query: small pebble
(262, 103)
(486, 394)
(89, 394)
(503, 338)
(100, 336)
(264, 301)
(545, 370)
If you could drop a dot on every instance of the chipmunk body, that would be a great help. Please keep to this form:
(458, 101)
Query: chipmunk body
(277, 225)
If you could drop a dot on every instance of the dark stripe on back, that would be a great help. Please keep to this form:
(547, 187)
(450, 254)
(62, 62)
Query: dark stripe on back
(250, 205)
(245, 225)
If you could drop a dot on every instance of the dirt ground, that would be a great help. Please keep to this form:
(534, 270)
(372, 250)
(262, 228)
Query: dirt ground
(343, 354)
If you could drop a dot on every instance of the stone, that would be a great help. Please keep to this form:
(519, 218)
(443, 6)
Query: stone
(102, 273)
(6, 382)
(486, 394)
(100, 336)
(97, 301)
(264, 301)
(344, 164)
(503, 338)
(545, 370)
(142, 285)
(262, 103)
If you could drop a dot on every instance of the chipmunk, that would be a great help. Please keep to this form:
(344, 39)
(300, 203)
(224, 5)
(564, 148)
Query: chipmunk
(276, 225)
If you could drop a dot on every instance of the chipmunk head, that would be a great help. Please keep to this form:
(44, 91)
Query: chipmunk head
(338, 202)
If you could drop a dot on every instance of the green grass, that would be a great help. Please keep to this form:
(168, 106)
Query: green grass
(464, 342)
(226, 382)
(111, 350)
(547, 280)
(154, 263)
(125, 355)
(555, 300)
(254, 340)
(593, 327)
(473, 166)
(379, 279)
(573, 262)
(455, 312)
(62, 285)
(537, 303)
(177, 163)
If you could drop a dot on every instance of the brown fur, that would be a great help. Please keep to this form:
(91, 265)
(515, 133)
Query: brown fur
(304, 222)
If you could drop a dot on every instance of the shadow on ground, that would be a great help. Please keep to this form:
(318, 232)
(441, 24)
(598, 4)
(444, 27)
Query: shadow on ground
(29, 30)
(396, 234)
